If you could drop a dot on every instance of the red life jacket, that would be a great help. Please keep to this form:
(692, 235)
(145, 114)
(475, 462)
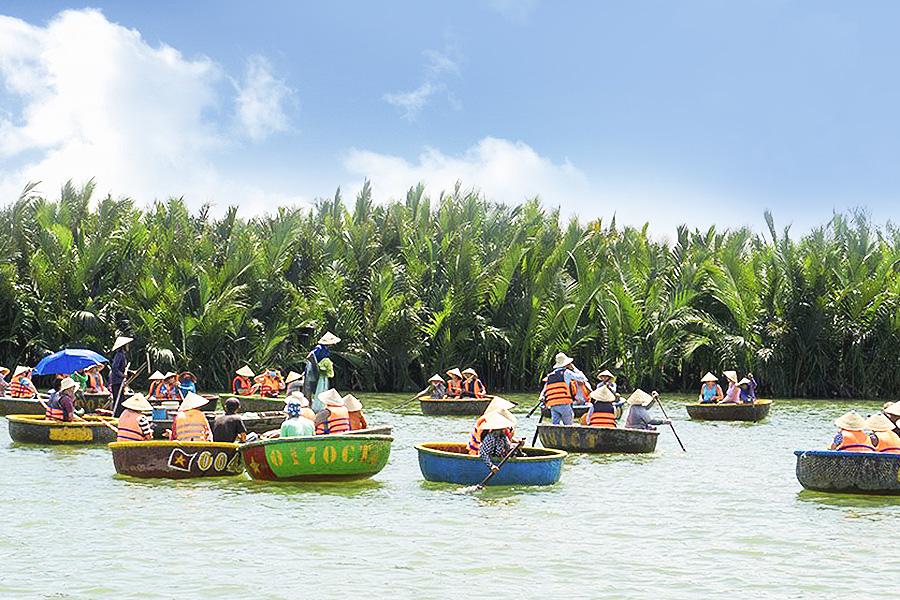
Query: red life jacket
(338, 421)
(454, 388)
(556, 392)
(154, 388)
(191, 426)
(855, 441)
(240, 386)
(581, 386)
(604, 415)
(472, 388)
(95, 382)
(21, 387)
(888, 442)
(130, 427)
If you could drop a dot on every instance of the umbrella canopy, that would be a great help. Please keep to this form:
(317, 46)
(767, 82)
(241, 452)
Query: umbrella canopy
(66, 362)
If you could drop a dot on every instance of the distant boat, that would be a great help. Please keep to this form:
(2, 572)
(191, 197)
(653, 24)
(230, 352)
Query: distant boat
(597, 439)
(754, 411)
(36, 429)
(451, 463)
(458, 407)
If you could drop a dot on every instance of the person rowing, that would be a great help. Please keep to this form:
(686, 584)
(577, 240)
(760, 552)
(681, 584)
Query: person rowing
(118, 372)
(497, 440)
(639, 416)
(710, 390)
(496, 404)
(436, 390)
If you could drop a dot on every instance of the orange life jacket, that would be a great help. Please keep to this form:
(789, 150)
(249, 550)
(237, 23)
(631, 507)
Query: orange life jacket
(475, 439)
(21, 387)
(130, 427)
(308, 413)
(855, 441)
(454, 388)
(338, 421)
(168, 392)
(268, 385)
(95, 382)
(154, 388)
(241, 386)
(357, 420)
(54, 410)
(888, 441)
(472, 388)
(191, 426)
(604, 415)
(556, 392)
(579, 386)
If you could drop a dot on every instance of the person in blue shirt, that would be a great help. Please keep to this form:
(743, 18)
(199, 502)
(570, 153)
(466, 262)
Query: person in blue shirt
(187, 383)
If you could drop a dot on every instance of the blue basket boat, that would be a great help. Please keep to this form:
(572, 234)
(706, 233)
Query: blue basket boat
(849, 472)
(451, 463)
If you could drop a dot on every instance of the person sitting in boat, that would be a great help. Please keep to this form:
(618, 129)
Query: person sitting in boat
(156, 380)
(61, 405)
(471, 385)
(298, 422)
(20, 385)
(168, 389)
(133, 425)
(602, 409)
(497, 437)
(891, 410)
(454, 383)
(497, 403)
(270, 383)
(242, 384)
(639, 412)
(334, 418)
(293, 383)
(557, 391)
(710, 390)
(883, 435)
(230, 426)
(580, 386)
(354, 411)
(852, 436)
(191, 424)
(436, 390)
(95, 384)
(187, 382)
(4, 384)
(745, 393)
(606, 379)
(732, 396)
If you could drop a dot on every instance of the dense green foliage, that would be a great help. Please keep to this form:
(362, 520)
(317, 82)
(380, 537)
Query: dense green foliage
(417, 286)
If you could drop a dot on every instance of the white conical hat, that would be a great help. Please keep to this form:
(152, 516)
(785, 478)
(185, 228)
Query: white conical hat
(744, 381)
(297, 398)
(879, 422)
(562, 360)
(21, 370)
(245, 371)
(138, 402)
(603, 394)
(641, 397)
(121, 341)
(709, 377)
(170, 374)
(893, 409)
(498, 419)
(352, 402)
(329, 339)
(455, 372)
(331, 397)
(67, 383)
(157, 376)
(606, 373)
(293, 376)
(192, 400)
(498, 403)
(850, 421)
(730, 376)
(435, 377)
(470, 371)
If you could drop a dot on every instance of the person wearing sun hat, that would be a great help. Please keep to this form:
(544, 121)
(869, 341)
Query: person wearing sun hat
(436, 390)
(639, 417)
(187, 382)
(883, 435)
(298, 422)
(133, 425)
(710, 390)
(354, 411)
(190, 424)
(95, 384)
(334, 418)
(293, 383)
(602, 410)
(852, 436)
(605, 378)
(155, 381)
(471, 385)
(496, 404)
(117, 371)
(497, 437)
(168, 389)
(20, 386)
(732, 395)
(61, 406)
(557, 391)
(454, 383)
(242, 384)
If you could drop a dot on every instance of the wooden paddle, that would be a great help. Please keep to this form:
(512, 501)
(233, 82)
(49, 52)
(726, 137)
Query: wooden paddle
(500, 465)
(662, 408)
(531, 412)
(405, 402)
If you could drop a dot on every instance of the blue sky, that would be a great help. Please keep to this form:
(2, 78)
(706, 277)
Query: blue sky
(697, 111)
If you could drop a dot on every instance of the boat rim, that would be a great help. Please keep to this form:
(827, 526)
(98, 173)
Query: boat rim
(730, 404)
(320, 438)
(89, 421)
(172, 444)
(628, 429)
(551, 453)
(847, 453)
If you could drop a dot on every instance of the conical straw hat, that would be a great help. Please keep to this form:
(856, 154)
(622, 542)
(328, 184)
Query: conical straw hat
(139, 403)
(470, 371)
(879, 422)
(293, 376)
(329, 339)
(436, 379)
(562, 360)
(297, 398)
(498, 403)
(245, 371)
(893, 409)
(603, 394)
(21, 370)
(850, 421)
(352, 403)
(331, 397)
(731, 376)
(121, 341)
(157, 376)
(191, 401)
(170, 374)
(709, 377)
(744, 381)
(606, 373)
(455, 372)
(641, 397)
(498, 419)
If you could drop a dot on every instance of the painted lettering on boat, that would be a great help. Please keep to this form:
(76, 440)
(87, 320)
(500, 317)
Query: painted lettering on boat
(328, 455)
(204, 461)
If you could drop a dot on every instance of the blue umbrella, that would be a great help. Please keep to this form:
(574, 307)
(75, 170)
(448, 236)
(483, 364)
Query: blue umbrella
(66, 362)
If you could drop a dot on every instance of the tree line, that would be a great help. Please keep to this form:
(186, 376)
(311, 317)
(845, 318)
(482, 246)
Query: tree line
(418, 285)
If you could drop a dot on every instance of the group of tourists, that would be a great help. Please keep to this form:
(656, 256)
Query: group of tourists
(879, 432)
(338, 414)
(741, 391)
(459, 384)
(171, 386)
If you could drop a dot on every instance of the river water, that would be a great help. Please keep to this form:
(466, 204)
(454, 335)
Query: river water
(726, 518)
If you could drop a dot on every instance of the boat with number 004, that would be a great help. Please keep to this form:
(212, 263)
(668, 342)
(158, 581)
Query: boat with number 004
(455, 407)
(337, 457)
(451, 463)
(176, 460)
(849, 472)
(752, 411)
(36, 429)
(580, 438)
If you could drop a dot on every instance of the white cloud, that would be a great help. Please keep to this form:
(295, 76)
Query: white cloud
(514, 10)
(94, 99)
(261, 99)
(438, 65)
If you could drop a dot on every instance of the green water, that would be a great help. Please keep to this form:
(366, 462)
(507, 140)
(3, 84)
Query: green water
(726, 518)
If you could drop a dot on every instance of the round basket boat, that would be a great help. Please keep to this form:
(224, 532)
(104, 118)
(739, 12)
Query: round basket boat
(579, 438)
(336, 457)
(259, 404)
(457, 407)
(849, 472)
(35, 429)
(176, 460)
(20, 406)
(451, 463)
(756, 411)
(92, 402)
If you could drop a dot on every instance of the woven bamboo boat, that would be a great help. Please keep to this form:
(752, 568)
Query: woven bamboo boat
(259, 404)
(92, 402)
(254, 422)
(849, 472)
(451, 463)
(35, 429)
(756, 411)
(457, 407)
(20, 406)
(579, 438)
(176, 460)
(317, 458)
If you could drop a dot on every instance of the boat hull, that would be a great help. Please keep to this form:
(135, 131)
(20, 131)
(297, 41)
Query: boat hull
(20, 406)
(579, 438)
(317, 458)
(35, 429)
(849, 472)
(259, 404)
(463, 407)
(450, 463)
(757, 411)
(176, 460)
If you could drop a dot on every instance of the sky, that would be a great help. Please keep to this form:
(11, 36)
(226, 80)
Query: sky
(699, 111)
